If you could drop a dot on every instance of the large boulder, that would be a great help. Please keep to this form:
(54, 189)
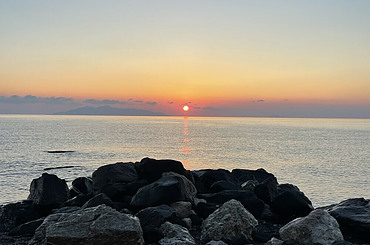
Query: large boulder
(231, 222)
(107, 175)
(81, 185)
(244, 175)
(249, 200)
(205, 178)
(97, 225)
(15, 214)
(170, 188)
(98, 200)
(48, 191)
(27, 229)
(152, 169)
(353, 216)
(267, 190)
(319, 227)
(121, 192)
(156, 216)
(175, 234)
(290, 203)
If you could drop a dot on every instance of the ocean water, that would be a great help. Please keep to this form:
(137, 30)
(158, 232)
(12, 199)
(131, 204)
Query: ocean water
(328, 159)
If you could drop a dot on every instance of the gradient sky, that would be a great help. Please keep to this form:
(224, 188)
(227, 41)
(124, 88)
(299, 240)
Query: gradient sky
(222, 58)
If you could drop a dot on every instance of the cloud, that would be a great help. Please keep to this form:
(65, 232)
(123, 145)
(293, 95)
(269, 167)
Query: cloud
(138, 101)
(170, 102)
(105, 102)
(151, 103)
(29, 99)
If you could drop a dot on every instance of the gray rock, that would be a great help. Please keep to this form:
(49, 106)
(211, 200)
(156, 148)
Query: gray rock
(231, 221)
(274, 241)
(353, 216)
(110, 174)
(48, 190)
(216, 243)
(319, 227)
(97, 225)
(183, 209)
(170, 188)
(175, 234)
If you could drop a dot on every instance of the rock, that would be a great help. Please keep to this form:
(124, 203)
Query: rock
(81, 185)
(110, 174)
(97, 225)
(319, 227)
(267, 190)
(205, 209)
(223, 185)
(216, 243)
(229, 223)
(156, 216)
(69, 209)
(98, 200)
(249, 200)
(175, 234)
(27, 229)
(183, 209)
(119, 192)
(15, 214)
(353, 216)
(170, 188)
(78, 201)
(243, 175)
(152, 234)
(152, 169)
(274, 241)
(204, 179)
(249, 185)
(48, 191)
(264, 231)
(291, 203)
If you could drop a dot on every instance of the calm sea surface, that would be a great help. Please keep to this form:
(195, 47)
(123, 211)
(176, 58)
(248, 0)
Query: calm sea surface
(328, 159)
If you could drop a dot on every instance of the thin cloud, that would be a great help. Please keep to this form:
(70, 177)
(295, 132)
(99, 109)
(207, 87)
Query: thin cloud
(151, 103)
(31, 99)
(170, 102)
(105, 102)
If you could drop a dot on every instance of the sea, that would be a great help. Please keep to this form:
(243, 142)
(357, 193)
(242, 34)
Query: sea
(328, 159)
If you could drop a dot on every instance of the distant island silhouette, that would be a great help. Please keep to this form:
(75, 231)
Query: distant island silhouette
(110, 111)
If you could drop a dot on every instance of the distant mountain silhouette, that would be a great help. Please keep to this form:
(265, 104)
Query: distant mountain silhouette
(108, 110)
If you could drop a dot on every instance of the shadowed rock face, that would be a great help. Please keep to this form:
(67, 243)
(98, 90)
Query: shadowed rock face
(319, 227)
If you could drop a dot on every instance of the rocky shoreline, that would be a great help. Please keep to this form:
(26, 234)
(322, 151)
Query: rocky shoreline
(160, 202)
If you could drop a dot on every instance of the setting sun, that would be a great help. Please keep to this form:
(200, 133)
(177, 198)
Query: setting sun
(185, 108)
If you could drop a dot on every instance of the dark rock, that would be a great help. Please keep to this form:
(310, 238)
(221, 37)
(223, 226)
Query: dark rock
(152, 234)
(249, 200)
(205, 178)
(267, 190)
(152, 169)
(48, 191)
(81, 185)
(15, 214)
(98, 200)
(243, 175)
(27, 229)
(196, 221)
(205, 209)
(182, 209)
(175, 234)
(170, 188)
(118, 192)
(264, 231)
(69, 209)
(223, 185)
(353, 216)
(111, 174)
(156, 216)
(78, 201)
(290, 204)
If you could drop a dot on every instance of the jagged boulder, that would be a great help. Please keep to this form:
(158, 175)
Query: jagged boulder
(97, 225)
(205, 178)
(175, 234)
(319, 227)
(156, 216)
(353, 216)
(231, 222)
(170, 188)
(244, 175)
(48, 191)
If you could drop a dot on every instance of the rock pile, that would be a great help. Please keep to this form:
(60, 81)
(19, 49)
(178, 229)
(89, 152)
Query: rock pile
(160, 202)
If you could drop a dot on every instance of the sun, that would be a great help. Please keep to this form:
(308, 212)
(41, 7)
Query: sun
(185, 108)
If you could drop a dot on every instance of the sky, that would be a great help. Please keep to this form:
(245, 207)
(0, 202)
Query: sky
(221, 58)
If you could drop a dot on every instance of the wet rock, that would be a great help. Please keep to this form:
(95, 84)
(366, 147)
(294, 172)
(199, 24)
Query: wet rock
(155, 216)
(107, 175)
(175, 234)
(15, 214)
(319, 227)
(170, 188)
(152, 169)
(231, 222)
(205, 178)
(290, 203)
(97, 225)
(249, 200)
(98, 200)
(353, 216)
(48, 191)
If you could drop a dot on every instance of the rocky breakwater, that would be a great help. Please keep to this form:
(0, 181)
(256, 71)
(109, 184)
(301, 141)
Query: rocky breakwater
(160, 202)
